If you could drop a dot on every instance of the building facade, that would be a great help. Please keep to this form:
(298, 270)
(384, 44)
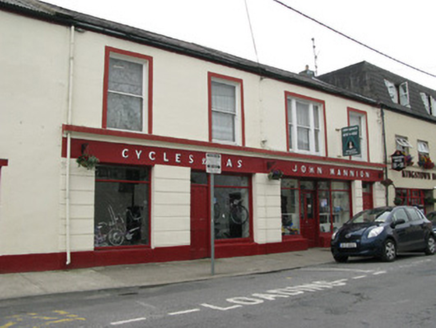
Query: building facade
(105, 131)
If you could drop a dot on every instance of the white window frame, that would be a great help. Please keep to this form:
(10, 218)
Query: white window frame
(404, 94)
(292, 126)
(403, 144)
(429, 103)
(423, 147)
(360, 119)
(144, 96)
(237, 121)
(392, 90)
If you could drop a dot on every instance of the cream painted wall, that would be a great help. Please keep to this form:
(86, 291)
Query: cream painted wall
(33, 84)
(267, 222)
(180, 98)
(171, 210)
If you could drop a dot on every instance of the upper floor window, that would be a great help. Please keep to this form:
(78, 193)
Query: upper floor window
(429, 103)
(423, 148)
(399, 94)
(305, 119)
(403, 144)
(358, 118)
(226, 110)
(127, 103)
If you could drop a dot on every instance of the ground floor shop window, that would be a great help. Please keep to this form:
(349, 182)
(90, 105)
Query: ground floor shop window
(121, 214)
(290, 203)
(332, 206)
(231, 206)
(412, 197)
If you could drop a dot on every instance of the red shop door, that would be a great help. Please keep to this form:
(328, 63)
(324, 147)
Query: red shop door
(199, 222)
(308, 221)
(367, 196)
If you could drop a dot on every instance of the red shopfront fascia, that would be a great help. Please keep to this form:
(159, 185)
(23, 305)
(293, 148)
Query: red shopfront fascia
(127, 154)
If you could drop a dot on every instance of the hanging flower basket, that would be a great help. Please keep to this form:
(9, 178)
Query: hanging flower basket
(425, 162)
(87, 161)
(275, 175)
(387, 182)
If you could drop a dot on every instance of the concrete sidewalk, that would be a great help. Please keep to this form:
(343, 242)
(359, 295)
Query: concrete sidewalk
(18, 285)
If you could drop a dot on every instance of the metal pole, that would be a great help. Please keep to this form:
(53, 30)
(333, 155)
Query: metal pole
(212, 225)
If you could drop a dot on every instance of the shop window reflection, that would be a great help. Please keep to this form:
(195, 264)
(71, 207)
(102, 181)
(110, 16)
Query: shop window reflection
(231, 207)
(290, 206)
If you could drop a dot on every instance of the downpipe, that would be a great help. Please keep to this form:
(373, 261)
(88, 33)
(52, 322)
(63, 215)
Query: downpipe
(68, 157)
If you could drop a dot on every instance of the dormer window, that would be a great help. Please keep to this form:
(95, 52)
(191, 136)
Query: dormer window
(399, 94)
(429, 103)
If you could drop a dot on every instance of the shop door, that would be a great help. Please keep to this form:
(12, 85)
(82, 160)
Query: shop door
(199, 221)
(308, 221)
(367, 196)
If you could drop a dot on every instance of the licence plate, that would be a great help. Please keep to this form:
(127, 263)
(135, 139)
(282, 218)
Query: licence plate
(348, 245)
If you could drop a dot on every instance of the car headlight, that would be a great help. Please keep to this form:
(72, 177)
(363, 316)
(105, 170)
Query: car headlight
(375, 232)
(334, 235)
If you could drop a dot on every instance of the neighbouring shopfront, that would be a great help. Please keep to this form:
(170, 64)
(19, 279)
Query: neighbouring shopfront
(314, 208)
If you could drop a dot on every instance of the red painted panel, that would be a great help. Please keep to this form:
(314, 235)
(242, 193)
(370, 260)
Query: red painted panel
(200, 227)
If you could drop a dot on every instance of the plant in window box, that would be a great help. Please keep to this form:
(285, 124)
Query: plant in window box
(275, 175)
(425, 162)
(408, 159)
(398, 201)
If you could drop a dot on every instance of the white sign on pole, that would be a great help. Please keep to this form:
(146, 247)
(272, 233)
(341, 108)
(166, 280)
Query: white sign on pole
(213, 163)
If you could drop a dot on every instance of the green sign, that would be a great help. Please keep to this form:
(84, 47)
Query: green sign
(350, 140)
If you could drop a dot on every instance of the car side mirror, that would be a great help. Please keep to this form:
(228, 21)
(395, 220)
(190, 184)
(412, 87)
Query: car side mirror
(397, 222)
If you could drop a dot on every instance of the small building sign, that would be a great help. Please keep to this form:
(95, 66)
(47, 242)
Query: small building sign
(351, 140)
(213, 163)
(398, 161)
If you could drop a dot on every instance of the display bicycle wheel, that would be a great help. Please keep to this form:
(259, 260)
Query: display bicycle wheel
(116, 237)
(239, 214)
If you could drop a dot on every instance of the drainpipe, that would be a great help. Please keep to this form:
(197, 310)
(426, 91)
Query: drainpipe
(385, 155)
(67, 174)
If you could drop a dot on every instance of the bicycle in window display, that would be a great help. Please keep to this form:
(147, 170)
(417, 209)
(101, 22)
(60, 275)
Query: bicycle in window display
(237, 215)
(116, 232)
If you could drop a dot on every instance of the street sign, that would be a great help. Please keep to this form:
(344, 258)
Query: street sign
(350, 140)
(213, 163)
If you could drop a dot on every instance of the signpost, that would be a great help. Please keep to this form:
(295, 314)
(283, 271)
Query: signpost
(213, 166)
(351, 140)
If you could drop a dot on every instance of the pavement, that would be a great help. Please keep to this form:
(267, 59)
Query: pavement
(27, 284)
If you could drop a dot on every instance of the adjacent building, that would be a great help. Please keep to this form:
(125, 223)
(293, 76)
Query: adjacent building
(105, 131)
(409, 130)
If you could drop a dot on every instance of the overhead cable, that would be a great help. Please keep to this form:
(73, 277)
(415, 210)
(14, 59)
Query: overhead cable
(354, 40)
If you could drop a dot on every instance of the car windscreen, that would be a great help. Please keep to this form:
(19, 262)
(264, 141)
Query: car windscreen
(376, 215)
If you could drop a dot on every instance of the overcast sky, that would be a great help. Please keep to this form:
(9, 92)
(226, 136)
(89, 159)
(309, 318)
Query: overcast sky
(401, 29)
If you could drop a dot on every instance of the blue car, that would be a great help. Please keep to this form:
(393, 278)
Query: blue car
(432, 217)
(383, 232)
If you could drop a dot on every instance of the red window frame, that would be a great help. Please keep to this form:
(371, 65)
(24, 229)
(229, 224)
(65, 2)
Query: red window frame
(149, 60)
(210, 77)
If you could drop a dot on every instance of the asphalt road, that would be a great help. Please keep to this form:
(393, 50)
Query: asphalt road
(361, 293)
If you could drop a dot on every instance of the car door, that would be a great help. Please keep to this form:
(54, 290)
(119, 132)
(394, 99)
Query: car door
(417, 228)
(402, 230)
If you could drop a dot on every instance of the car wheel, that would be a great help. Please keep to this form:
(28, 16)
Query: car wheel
(389, 252)
(430, 249)
(341, 258)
